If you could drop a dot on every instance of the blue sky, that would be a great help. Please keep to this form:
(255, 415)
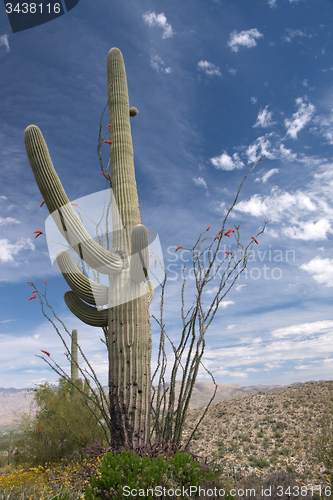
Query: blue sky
(218, 84)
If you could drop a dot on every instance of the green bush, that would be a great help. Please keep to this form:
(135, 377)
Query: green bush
(120, 474)
(63, 426)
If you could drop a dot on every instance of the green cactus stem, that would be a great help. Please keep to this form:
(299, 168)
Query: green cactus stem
(74, 357)
(126, 318)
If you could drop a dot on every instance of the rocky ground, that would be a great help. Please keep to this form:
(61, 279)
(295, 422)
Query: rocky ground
(264, 433)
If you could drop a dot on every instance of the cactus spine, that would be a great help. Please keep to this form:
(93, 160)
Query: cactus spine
(127, 321)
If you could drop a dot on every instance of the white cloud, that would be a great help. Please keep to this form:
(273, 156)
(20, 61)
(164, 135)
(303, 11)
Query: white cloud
(263, 145)
(226, 162)
(232, 71)
(294, 34)
(244, 39)
(303, 329)
(200, 182)
(8, 220)
(157, 63)
(253, 100)
(7, 250)
(267, 175)
(153, 19)
(272, 3)
(323, 126)
(264, 118)
(301, 118)
(225, 304)
(4, 42)
(276, 207)
(209, 68)
(309, 230)
(287, 154)
(321, 269)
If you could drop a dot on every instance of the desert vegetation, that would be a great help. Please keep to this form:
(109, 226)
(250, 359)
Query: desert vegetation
(254, 442)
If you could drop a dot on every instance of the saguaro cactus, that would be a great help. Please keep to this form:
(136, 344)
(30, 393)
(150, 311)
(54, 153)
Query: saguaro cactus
(74, 357)
(126, 319)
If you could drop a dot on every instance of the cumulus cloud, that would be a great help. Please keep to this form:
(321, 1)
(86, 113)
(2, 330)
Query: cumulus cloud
(321, 270)
(253, 100)
(226, 162)
(199, 182)
(260, 147)
(157, 63)
(301, 118)
(272, 3)
(4, 42)
(244, 39)
(153, 19)
(209, 68)
(264, 118)
(309, 230)
(7, 250)
(278, 206)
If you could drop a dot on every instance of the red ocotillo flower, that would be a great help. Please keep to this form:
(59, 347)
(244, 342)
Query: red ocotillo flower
(74, 204)
(208, 228)
(35, 291)
(230, 231)
(38, 233)
(109, 125)
(228, 253)
(254, 239)
(33, 297)
(45, 282)
(217, 237)
(45, 352)
(30, 282)
(108, 142)
(178, 248)
(237, 227)
(227, 234)
(42, 203)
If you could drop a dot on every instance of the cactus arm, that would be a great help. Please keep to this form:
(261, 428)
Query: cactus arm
(85, 288)
(58, 204)
(89, 315)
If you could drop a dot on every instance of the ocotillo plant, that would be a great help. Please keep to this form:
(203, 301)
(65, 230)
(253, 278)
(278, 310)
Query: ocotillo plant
(126, 323)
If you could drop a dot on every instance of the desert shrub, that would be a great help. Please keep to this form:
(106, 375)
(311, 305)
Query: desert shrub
(62, 426)
(135, 472)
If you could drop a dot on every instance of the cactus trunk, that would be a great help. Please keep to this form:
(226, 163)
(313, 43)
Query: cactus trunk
(126, 320)
(74, 357)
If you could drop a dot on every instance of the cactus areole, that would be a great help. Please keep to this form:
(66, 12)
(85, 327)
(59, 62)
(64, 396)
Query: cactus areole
(126, 322)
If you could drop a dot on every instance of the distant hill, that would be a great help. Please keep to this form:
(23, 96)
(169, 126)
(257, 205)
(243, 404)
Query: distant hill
(19, 400)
